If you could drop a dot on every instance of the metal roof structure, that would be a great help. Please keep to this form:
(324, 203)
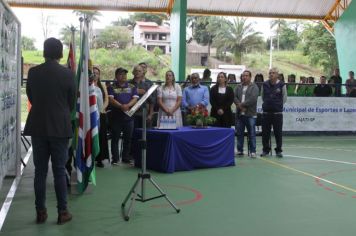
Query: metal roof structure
(328, 11)
(298, 9)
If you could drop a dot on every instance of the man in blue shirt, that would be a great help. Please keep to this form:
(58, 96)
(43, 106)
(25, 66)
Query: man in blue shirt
(195, 95)
(122, 96)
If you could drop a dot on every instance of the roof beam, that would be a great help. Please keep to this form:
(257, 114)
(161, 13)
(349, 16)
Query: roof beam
(170, 7)
(334, 14)
(165, 7)
(44, 5)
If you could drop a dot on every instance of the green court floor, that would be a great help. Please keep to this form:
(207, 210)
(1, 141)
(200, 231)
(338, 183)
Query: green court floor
(309, 192)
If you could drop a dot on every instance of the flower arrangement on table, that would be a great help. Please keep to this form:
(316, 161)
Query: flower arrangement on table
(199, 117)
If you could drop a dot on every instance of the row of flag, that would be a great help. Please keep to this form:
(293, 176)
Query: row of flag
(85, 117)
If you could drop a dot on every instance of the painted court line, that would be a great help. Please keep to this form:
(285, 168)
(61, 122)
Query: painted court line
(10, 196)
(308, 174)
(323, 148)
(321, 159)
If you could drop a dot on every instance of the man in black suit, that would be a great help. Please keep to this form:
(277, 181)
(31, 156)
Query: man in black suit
(51, 90)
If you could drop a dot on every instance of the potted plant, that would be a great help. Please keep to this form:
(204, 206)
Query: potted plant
(199, 117)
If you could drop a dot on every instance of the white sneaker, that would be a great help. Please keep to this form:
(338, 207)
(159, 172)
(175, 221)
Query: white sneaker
(253, 155)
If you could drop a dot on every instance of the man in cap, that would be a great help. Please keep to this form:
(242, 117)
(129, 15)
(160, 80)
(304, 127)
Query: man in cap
(122, 96)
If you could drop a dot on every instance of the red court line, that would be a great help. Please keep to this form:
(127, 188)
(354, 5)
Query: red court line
(197, 196)
(322, 175)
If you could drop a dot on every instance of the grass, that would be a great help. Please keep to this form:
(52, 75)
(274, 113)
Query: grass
(288, 62)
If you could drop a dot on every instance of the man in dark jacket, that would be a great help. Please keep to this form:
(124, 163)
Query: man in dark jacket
(51, 91)
(274, 95)
(323, 89)
(337, 82)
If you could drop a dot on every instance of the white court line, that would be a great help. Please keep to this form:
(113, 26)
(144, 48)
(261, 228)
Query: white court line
(309, 174)
(321, 159)
(324, 140)
(323, 148)
(10, 196)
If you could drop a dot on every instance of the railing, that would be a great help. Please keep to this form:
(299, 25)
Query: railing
(293, 89)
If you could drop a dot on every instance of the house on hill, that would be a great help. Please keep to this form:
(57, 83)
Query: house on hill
(150, 35)
(197, 55)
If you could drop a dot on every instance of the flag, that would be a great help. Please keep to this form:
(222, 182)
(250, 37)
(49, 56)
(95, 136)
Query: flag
(71, 64)
(71, 57)
(86, 138)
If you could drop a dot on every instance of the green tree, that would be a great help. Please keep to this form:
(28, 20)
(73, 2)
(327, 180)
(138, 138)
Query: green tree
(123, 22)
(238, 37)
(93, 16)
(66, 35)
(113, 37)
(191, 22)
(288, 39)
(206, 29)
(278, 24)
(27, 43)
(296, 25)
(158, 18)
(320, 46)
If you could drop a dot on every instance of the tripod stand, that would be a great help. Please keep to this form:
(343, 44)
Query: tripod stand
(143, 176)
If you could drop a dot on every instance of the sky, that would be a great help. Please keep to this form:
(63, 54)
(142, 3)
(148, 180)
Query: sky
(31, 19)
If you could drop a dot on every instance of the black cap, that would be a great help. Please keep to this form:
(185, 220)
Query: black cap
(120, 70)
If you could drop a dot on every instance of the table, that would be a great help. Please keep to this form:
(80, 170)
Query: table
(186, 148)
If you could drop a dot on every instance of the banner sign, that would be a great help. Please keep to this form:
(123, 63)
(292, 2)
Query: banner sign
(9, 90)
(318, 113)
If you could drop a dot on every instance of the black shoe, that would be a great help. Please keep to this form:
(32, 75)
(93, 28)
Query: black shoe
(264, 154)
(279, 154)
(99, 164)
(240, 154)
(127, 161)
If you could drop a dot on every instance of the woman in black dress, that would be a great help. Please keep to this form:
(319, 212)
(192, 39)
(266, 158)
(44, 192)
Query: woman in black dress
(221, 99)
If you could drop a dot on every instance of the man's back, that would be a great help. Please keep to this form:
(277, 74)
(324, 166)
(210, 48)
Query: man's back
(51, 91)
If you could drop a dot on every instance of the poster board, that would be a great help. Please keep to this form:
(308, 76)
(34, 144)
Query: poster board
(318, 114)
(10, 78)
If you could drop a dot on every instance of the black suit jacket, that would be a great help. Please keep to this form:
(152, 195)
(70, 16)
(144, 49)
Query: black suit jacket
(51, 90)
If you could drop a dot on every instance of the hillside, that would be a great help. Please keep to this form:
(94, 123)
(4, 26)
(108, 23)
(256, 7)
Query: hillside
(287, 62)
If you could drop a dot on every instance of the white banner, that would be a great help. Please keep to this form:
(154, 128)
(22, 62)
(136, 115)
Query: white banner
(318, 114)
(9, 91)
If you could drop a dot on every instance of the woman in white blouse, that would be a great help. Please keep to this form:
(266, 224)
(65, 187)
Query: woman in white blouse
(169, 99)
(102, 101)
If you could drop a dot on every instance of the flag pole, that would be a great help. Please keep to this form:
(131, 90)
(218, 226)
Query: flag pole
(81, 19)
(73, 29)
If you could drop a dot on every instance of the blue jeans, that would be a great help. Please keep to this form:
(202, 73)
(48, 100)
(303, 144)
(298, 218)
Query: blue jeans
(243, 122)
(126, 127)
(45, 148)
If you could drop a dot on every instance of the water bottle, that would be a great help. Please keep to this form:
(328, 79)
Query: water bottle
(165, 120)
(160, 122)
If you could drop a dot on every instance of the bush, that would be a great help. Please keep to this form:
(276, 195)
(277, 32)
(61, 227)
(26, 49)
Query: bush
(157, 51)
